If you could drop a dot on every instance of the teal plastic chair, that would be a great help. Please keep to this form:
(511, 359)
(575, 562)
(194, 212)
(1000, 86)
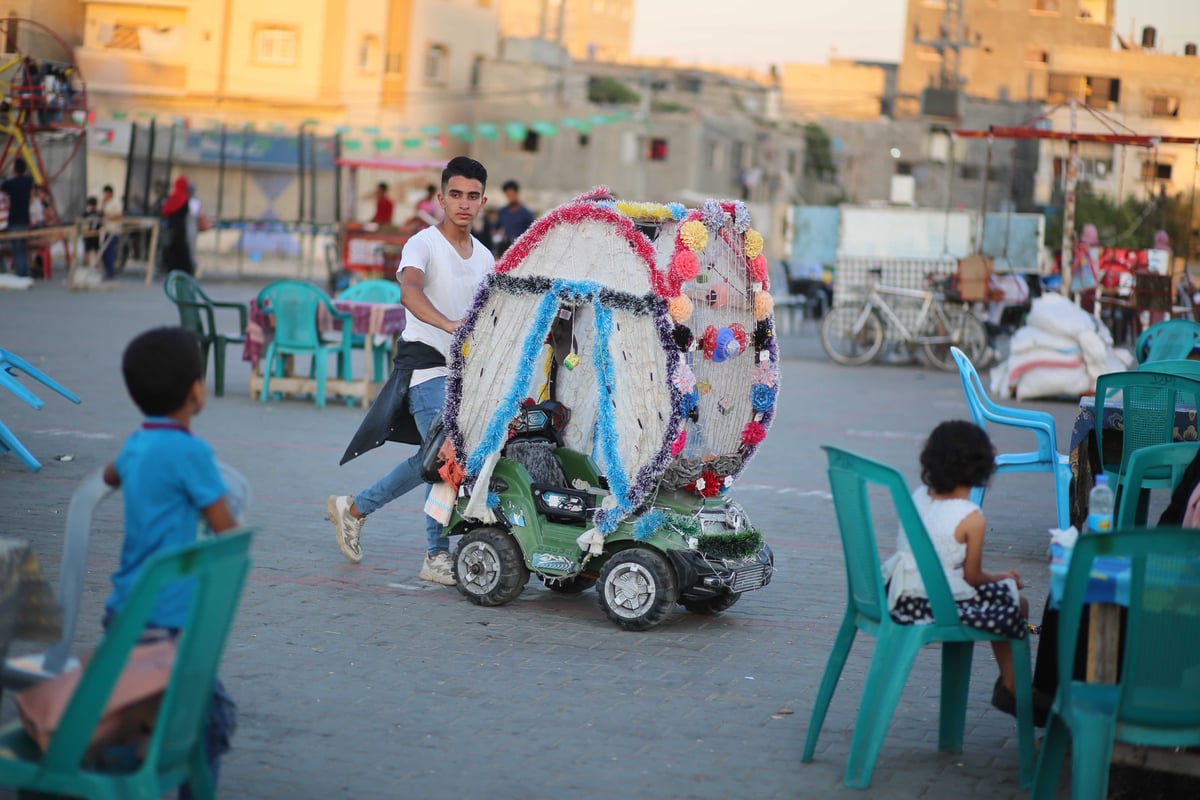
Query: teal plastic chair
(1187, 367)
(1169, 339)
(1045, 458)
(1148, 402)
(1160, 466)
(373, 291)
(176, 751)
(1157, 701)
(294, 306)
(10, 365)
(197, 313)
(897, 645)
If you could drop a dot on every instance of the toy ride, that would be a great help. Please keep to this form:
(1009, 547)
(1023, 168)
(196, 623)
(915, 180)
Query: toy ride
(615, 375)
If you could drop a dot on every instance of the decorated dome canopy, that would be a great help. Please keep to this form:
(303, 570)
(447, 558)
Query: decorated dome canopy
(651, 323)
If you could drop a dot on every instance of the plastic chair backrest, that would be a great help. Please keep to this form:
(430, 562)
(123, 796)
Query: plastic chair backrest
(182, 290)
(1162, 633)
(375, 291)
(849, 476)
(1169, 339)
(218, 567)
(1148, 401)
(294, 305)
(1186, 367)
(1159, 462)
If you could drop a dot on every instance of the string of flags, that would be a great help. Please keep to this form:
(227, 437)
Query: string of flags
(384, 138)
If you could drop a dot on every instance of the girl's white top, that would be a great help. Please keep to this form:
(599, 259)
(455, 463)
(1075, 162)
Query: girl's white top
(941, 518)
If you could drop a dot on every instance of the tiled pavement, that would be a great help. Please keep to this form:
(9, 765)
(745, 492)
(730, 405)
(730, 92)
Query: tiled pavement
(363, 682)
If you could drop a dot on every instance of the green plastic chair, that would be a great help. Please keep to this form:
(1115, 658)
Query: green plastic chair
(176, 751)
(294, 306)
(897, 645)
(373, 291)
(1148, 401)
(1158, 467)
(1169, 339)
(197, 313)
(1157, 701)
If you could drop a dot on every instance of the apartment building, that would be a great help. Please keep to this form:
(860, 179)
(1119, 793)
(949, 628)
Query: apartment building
(590, 30)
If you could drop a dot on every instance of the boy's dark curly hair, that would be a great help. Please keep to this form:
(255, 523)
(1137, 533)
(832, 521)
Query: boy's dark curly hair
(957, 453)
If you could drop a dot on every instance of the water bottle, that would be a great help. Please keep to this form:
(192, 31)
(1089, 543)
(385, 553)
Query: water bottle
(1100, 507)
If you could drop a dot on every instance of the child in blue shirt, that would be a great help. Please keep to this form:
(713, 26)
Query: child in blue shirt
(171, 483)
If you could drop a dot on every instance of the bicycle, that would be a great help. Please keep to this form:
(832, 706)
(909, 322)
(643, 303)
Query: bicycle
(854, 334)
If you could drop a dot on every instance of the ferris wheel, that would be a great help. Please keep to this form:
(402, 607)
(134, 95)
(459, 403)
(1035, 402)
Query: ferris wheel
(43, 103)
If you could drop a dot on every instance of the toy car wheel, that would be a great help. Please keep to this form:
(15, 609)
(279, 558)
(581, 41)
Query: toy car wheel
(489, 568)
(637, 589)
(710, 606)
(574, 585)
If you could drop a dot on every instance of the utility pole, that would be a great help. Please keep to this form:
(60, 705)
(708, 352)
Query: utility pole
(949, 44)
(1066, 270)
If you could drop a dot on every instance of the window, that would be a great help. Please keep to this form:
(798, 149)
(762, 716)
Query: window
(738, 156)
(1103, 92)
(437, 63)
(584, 140)
(1156, 170)
(1163, 105)
(1037, 55)
(476, 73)
(997, 174)
(904, 168)
(532, 141)
(1044, 6)
(119, 36)
(657, 149)
(969, 172)
(394, 63)
(368, 55)
(716, 156)
(276, 46)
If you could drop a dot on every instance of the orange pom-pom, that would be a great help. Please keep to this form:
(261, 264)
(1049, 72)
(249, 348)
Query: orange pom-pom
(680, 308)
(764, 305)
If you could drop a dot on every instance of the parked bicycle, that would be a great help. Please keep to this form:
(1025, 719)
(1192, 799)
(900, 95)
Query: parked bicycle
(854, 334)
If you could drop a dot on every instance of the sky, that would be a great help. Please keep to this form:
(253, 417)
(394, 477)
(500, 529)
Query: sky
(778, 31)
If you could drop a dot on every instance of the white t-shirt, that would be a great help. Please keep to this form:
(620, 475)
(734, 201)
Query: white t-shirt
(450, 284)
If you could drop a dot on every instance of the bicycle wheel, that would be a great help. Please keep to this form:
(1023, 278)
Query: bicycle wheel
(967, 333)
(848, 346)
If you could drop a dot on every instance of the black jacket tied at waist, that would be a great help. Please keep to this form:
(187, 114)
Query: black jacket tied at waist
(389, 418)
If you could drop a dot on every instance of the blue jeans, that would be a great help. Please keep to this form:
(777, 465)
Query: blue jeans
(425, 401)
(109, 256)
(20, 251)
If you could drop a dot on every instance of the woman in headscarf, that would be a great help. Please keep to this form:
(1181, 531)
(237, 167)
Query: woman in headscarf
(177, 254)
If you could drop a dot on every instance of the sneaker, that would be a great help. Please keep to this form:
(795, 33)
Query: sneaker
(346, 526)
(438, 568)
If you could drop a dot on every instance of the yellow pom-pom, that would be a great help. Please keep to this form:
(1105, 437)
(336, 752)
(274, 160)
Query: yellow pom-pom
(466, 348)
(754, 244)
(764, 304)
(694, 235)
(680, 308)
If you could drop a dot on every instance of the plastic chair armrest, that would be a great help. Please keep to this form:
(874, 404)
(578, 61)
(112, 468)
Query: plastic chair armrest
(243, 312)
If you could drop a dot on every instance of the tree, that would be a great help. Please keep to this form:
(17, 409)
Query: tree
(818, 153)
(610, 91)
(1130, 224)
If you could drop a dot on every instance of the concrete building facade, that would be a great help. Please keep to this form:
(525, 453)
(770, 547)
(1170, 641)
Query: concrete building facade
(590, 30)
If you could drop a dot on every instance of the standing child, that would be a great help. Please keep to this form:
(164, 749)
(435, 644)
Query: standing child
(958, 456)
(171, 483)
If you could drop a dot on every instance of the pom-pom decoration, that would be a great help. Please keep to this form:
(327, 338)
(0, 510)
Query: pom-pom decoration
(684, 266)
(712, 215)
(764, 373)
(739, 333)
(758, 268)
(753, 434)
(684, 340)
(694, 235)
(754, 244)
(764, 304)
(684, 379)
(726, 346)
(762, 397)
(679, 443)
(741, 218)
(680, 308)
(709, 341)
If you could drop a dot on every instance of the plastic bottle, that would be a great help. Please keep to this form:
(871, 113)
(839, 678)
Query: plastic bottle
(1100, 506)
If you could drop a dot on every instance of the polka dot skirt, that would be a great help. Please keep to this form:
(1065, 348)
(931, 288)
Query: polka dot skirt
(992, 609)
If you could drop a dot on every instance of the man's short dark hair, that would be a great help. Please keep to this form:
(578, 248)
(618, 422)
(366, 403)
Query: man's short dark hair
(510, 184)
(108, 188)
(19, 166)
(91, 201)
(464, 167)
(382, 187)
(160, 366)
